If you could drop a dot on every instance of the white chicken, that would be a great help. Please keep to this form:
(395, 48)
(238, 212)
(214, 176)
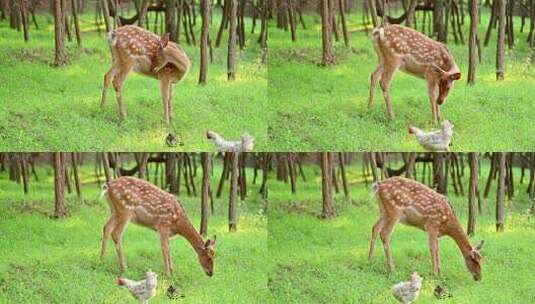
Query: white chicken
(246, 144)
(142, 290)
(434, 141)
(407, 292)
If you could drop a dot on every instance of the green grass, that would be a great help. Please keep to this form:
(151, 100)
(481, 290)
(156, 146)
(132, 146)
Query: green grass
(47, 260)
(322, 108)
(315, 260)
(47, 108)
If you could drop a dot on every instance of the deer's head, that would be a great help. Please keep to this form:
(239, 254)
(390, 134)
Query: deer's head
(474, 260)
(445, 82)
(207, 256)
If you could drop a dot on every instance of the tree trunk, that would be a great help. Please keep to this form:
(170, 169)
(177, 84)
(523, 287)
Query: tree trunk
(206, 160)
(341, 4)
(500, 192)
(74, 164)
(439, 25)
(205, 12)
(500, 50)
(373, 11)
(76, 22)
(326, 21)
(59, 27)
(472, 195)
(106, 14)
(231, 61)
(170, 19)
(474, 24)
(341, 160)
(233, 192)
(59, 184)
(327, 185)
(24, 18)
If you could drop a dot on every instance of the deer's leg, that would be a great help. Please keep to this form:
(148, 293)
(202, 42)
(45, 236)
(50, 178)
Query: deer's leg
(386, 232)
(165, 91)
(110, 225)
(108, 77)
(386, 79)
(432, 88)
(164, 242)
(433, 248)
(118, 85)
(117, 236)
(170, 101)
(375, 231)
(376, 75)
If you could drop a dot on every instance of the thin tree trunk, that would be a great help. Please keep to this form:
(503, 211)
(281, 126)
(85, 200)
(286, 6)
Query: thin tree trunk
(205, 12)
(500, 192)
(474, 24)
(500, 51)
(74, 164)
(231, 60)
(233, 192)
(206, 160)
(472, 195)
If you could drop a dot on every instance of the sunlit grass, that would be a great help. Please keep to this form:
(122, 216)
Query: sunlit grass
(49, 108)
(326, 108)
(325, 261)
(43, 259)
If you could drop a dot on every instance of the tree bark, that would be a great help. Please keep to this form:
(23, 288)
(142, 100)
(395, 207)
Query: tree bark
(233, 193)
(472, 195)
(205, 12)
(474, 24)
(327, 185)
(327, 39)
(500, 50)
(59, 185)
(206, 160)
(74, 164)
(500, 192)
(59, 27)
(231, 61)
(170, 20)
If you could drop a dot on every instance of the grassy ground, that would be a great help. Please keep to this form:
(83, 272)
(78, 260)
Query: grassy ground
(326, 108)
(46, 260)
(49, 108)
(325, 261)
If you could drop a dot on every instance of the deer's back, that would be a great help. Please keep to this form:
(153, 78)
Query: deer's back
(413, 202)
(412, 47)
(148, 204)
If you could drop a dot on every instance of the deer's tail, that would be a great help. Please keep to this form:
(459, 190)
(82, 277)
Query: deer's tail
(112, 37)
(378, 33)
(375, 188)
(103, 190)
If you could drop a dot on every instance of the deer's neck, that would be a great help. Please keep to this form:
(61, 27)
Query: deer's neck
(185, 229)
(456, 232)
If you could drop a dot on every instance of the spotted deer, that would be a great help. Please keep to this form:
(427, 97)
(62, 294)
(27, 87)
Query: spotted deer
(403, 48)
(415, 204)
(136, 48)
(136, 200)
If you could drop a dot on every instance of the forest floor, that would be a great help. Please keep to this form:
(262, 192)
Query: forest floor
(47, 260)
(327, 108)
(315, 260)
(50, 108)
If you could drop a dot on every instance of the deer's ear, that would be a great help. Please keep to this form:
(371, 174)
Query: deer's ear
(164, 40)
(480, 246)
(454, 76)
